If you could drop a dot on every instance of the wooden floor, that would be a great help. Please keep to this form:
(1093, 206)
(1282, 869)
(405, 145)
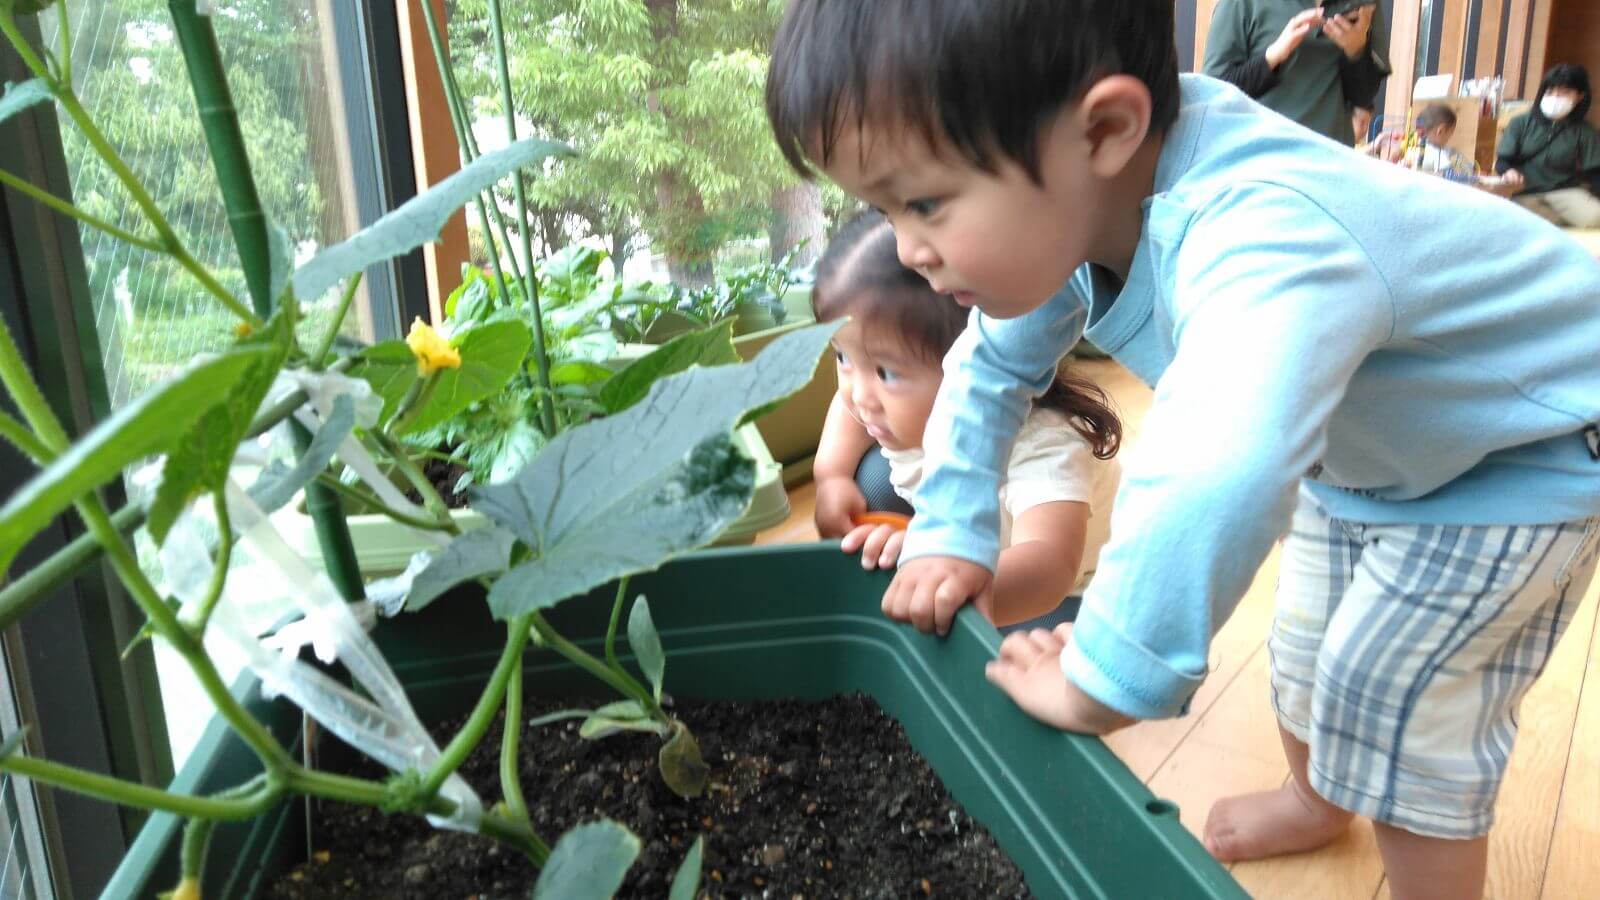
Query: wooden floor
(1546, 841)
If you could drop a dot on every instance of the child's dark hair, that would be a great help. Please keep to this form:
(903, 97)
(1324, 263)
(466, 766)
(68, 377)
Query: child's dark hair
(986, 75)
(1435, 114)
(1573, 77)
(860, 275)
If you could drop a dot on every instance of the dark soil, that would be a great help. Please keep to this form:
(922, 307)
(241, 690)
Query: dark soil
(806, 800)
(443, 475)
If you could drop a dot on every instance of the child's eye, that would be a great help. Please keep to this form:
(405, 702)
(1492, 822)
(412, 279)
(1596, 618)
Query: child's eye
(838, 357)
(925, 207)
(886, 376)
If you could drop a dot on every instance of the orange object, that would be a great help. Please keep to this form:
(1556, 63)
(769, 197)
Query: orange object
(893, 520)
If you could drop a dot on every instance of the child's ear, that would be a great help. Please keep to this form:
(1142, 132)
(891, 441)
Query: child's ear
(1115, 117)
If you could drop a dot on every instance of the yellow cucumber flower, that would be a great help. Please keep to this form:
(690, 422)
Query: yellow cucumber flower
(430, 348)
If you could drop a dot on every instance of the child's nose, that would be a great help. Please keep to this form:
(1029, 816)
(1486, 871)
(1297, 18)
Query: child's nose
(915, 253)
(862, 396)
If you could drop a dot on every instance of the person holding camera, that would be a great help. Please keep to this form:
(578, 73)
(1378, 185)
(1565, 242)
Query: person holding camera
(1313, 62)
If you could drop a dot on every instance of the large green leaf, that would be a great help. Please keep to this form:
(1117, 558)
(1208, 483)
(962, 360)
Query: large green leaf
(419, 220)
(202, 459)
(626, 493)
(19, 97)
(709, 347)
(391, 369)
(588, 863)
(476, 554)
(148, 426)
(490, 355)
(686, 883)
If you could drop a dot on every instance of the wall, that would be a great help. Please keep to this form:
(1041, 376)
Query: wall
(1575, 38)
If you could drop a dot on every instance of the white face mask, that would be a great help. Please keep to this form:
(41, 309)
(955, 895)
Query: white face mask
(1555, 108)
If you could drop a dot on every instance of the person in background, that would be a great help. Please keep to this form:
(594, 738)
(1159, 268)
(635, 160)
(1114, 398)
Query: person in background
(1285, 54)
(1434, 126)
(1549, 159)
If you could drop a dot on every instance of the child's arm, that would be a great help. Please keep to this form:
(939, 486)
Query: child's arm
(1268, 333)
(1040, 567)
(844, 441)
(992, 374)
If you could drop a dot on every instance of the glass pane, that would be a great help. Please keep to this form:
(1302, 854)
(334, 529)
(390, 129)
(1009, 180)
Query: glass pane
(679, 178)
(152, 316)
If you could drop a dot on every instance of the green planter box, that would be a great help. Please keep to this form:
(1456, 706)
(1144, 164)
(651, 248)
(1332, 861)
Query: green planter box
(790, 622)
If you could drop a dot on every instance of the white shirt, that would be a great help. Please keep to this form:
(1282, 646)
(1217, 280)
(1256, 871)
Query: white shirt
(1051, 462)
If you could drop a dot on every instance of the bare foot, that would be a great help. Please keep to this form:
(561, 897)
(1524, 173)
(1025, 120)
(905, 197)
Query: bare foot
(1272, 823)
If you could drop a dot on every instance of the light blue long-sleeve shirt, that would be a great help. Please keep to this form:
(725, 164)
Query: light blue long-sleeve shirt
(1413, 351)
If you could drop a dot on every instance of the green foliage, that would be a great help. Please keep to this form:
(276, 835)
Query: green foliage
(202, 458)
(588, 863)
(419, 220)
(672, 479)
(664, 99)
(146, 427)
(491, 355)
(711, 347)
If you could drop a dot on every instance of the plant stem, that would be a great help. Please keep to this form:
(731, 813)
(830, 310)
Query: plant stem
(165, 622)
(67, 209)
(29, 399)
(510, 770)
(371, 793)
(8, 27)
(23, 439)
(478, 723)
(320, 358)
(611, 629)
(469, 151)
(620, 681)
(371, 502)
(402, 460)
(40, 582)
(25, 592)
(219, 571)
(203, 59)
(412, 404)
(333, 531)
(129, 793)
(64, 32)
(530, 279)
(196, 838)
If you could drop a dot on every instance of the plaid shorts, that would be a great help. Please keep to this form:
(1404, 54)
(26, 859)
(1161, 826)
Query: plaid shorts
(1401, 652)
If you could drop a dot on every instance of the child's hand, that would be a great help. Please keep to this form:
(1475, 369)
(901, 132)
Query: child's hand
(879, 544)
(1029, 671)
(928, 591)
(839, 501)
